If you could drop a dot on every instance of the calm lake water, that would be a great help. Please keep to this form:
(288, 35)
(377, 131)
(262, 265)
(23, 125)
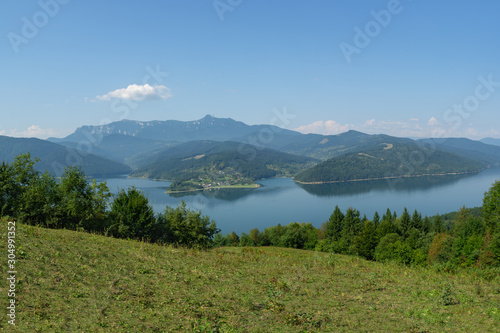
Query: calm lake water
(283, 201)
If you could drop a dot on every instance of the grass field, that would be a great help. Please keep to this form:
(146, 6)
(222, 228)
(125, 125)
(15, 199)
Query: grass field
(77, 282)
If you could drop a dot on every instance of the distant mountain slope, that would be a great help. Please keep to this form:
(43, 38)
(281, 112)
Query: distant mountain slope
(477, 150)
(328, 146)
(207, 128)
(124, 148)
(218, 129)
(388, 160)
(228, 163)
(124, 139)
(491, 141)
(54, 157)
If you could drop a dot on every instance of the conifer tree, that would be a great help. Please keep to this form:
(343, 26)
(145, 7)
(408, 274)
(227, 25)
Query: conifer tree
(416, 220)
(438, 224)
(334, 224)
(405, 223)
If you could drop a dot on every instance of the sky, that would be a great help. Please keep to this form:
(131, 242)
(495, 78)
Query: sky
(409, 68)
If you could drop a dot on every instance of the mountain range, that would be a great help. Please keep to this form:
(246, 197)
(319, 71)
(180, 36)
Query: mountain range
(174, 149)
(54, 158)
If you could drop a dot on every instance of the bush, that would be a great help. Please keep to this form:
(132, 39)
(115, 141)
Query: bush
(131, 216)
(189, 228)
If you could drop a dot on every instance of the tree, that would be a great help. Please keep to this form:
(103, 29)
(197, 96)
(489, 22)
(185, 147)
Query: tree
(38, 204)
(351, 228)
(334, 224)
(15, 178)
(405, 223)
(131, 216)
(376, 219)
(255, 236)
(387, 247)
(234, 239)
(189, 227)
(426, 225)
(491, 208)
(416, 220)
(367, 240)
(438, 224)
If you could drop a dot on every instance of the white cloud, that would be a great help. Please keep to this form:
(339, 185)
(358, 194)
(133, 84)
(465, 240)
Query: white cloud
(34, 131)
(137, 92)
(410, 128)
(324, 127)
(433, 122)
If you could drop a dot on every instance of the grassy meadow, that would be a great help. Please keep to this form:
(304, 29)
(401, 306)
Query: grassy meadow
(79, 282)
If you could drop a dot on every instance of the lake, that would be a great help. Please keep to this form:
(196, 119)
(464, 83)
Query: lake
(283, 201)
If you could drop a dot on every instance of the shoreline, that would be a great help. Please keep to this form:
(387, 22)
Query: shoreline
(389, 177)
(215, 188)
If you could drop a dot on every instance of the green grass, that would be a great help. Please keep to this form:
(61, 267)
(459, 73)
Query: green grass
(78, 282)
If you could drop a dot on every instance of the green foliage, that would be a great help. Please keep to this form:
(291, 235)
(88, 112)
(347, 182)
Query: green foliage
(405, 223)
(334, 224)
(381, 161)
(72, 202)
(491, 208)
(438, 224)
(366, 241)
(131, 215)
(193, 164)
(189, 227)
(15, 179)
(39, 202)
(82, 204)
(387, 248)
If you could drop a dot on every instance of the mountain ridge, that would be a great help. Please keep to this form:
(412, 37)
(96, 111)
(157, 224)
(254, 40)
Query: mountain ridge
(54, 158)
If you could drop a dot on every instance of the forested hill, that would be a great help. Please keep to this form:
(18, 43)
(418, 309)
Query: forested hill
(55, 158)
(389, 160)
(222, 162)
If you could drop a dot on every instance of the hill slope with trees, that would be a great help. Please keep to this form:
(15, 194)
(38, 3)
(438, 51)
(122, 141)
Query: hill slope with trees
(54, 158)
(202, 164)
(389, 160)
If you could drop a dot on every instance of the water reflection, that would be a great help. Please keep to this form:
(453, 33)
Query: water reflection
(399, 185)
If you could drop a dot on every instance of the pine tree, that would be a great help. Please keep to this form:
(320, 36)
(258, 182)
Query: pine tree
(491, 208)
(426, 225)
(376, 219)
(438, 224)
(334, 224)
(366, 242)
(351, 227)
(405, 223)
(387, 216)
(416, 220)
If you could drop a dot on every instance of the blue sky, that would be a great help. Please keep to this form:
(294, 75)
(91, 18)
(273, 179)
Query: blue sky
(406, 68)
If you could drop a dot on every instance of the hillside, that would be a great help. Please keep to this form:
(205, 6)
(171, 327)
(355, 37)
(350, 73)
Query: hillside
(388, 160)
(202, 164)
(78, 282)
(54, 157)
(145, 137)
(124, 148)
(225, 129)
(491, 141)
(483, 152)
(207, 128)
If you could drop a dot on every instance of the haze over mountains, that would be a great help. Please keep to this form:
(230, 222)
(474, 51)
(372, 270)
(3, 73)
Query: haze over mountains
(149, 148)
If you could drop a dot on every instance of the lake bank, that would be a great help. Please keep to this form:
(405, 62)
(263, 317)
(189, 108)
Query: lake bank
(389, 177)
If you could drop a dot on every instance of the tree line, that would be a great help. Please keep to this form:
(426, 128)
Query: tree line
(71, 202)
(470, 238)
